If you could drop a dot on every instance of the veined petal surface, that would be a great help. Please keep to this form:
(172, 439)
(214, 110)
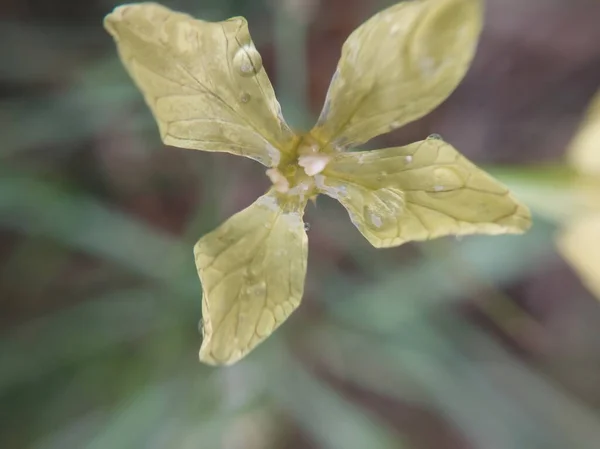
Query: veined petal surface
(419, 192)
(397, 67)
(252, 270)
(204, 81)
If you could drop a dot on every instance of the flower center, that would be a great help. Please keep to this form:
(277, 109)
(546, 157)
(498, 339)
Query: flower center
(295, 176)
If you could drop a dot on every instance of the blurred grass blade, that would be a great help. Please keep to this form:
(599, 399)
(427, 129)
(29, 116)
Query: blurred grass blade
(332, 421)
(89, 328)
(85, 224)
(572, 423)
(399, 296)
(552, 192)
(291, 36)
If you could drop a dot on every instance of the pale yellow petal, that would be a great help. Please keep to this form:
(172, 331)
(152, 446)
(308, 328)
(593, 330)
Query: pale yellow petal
(397, 67)
(419, 192)
(579, 243)
(584, 151)
(252, 270)
(203, 81)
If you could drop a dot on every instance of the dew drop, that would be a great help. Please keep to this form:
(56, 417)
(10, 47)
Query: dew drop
(408, 159)
(372, 219)
(307, 226)
(342, 192)
(376, 220)
(434, 137)
(245, 97)
(253, 272)
(446, 181)
(257, 289)
(447, 178)
(381, 176)
(247, 61)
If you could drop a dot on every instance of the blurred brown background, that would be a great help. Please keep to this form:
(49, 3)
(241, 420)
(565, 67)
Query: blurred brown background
(482, 343)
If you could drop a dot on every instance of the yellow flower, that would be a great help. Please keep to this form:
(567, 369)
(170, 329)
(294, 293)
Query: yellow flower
(207, 89)
(579, 241)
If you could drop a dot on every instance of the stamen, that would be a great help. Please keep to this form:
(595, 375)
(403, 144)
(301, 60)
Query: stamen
(313, 164)
(280, 182)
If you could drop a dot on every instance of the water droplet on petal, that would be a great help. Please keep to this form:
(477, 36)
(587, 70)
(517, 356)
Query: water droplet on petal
(376, 220)
(448, 178)
(408, 159)
(245, 97)
(247, 60)
(257, 289)
(306, 226)
(342, 192)
(252, 273)
(434, 137)
(381, 176)
(446, 181)
(373, 219)
(395, 28)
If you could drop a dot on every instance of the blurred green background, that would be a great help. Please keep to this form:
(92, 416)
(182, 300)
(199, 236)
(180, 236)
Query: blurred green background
(478, 343)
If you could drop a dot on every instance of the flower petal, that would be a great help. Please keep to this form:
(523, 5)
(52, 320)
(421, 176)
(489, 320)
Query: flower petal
(584, 151)
(252, 270)
(419, 192)
(579, 244)
(397, 67)
(203, 81)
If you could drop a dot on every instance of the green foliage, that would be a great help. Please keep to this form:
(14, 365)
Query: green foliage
(99, 341)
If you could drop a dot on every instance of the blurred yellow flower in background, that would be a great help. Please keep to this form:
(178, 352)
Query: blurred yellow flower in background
(579, 241)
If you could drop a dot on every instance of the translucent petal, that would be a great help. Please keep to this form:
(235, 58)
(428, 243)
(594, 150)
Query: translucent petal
(419, 192)
(579, 243)
(252, 270)
(203, 81)
(584, 151)
(397, 67)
